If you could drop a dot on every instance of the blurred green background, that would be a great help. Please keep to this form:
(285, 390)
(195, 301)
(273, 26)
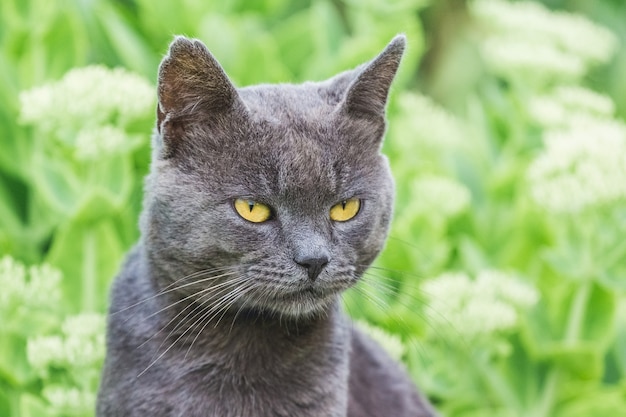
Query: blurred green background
(502, 284)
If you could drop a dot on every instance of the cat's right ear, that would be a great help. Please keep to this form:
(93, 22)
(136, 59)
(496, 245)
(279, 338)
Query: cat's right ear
(191, 84)
(367, 95)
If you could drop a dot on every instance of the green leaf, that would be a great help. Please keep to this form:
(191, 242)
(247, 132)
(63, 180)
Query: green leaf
(561, 311)
(72, 189)
(613, 279)
(600, 317)
(89, 255)
(5, 402)
(521, 374)
(31, 406)
(57, 183)
(295, 44)
(10, 221)
(473, 257)
(565, 260)
(97, 205)
(573, 329)
(604, 401)
(619, 346)
(14, 368)
(129, 46)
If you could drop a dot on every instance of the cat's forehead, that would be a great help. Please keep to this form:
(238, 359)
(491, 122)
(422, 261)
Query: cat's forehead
(305, 174)
(306, 103)
(295, 158)
(297, 145)
(302, 122)
(294, 128)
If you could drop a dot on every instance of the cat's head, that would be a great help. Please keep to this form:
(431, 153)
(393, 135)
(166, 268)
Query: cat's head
(272, 197)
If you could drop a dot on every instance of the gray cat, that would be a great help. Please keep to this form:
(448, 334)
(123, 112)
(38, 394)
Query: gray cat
(263, 204)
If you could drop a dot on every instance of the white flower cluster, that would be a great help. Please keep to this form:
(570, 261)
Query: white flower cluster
(26, 289)
(439, 196)
(526, 39)
(77, 354)
(477, 307)
(423, 122)
(85, 103)
(582, 166)
(81, 345)
(569, 104)
(69, 400)
(102, 140)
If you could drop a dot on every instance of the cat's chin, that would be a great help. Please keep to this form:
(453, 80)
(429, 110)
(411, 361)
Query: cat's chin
(305, 303)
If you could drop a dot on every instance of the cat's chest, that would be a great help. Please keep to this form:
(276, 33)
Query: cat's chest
(211, 392)
(241, 373)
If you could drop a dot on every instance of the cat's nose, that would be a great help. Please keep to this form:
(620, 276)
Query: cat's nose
(313, 264)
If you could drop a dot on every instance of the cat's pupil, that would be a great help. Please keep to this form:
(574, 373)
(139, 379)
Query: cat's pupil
(343, 204)
(251, 205)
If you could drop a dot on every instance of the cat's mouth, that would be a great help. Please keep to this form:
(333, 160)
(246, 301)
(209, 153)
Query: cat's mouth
(281, 286)
(305, 293)
(308, 299)
(293, 294)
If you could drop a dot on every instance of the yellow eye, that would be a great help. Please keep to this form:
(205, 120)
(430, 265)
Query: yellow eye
(252, 211)
(345, 210)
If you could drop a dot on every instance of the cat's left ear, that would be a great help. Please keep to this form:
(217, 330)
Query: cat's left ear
(367, 95)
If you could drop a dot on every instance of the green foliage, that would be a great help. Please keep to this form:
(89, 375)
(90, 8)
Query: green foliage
(502, 284)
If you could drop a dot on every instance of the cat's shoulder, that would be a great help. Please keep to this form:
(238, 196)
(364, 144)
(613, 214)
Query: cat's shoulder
(133, 299)
(129, 283)
(378, 386)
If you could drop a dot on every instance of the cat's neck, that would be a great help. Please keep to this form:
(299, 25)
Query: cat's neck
(263, 363)
(254, 344)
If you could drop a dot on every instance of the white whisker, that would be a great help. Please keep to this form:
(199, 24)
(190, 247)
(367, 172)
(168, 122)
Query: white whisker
(169, 288)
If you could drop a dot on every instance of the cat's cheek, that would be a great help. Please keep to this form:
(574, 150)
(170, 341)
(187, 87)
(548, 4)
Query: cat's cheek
(369, 237)
(350, 237)
(240, 237)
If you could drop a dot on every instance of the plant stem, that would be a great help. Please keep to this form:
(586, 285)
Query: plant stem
(498, 386)
(614, 255)
(577, 313)
(572, 335)
(14, 398)
(89, 271)
(549, 393)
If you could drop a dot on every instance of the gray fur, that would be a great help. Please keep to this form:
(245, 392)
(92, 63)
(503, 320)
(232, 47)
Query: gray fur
(211, 315)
